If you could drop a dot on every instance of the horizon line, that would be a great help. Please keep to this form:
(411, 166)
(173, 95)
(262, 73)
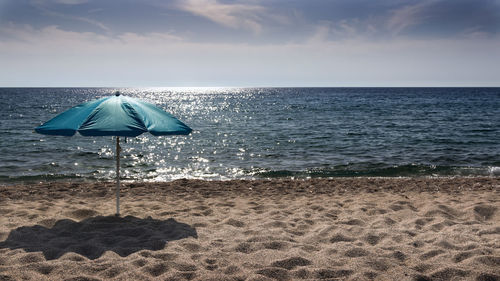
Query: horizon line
(248, 87)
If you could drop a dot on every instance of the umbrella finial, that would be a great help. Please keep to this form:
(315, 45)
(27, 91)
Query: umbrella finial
(117, 93)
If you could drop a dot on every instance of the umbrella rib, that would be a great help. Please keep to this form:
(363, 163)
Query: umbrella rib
(91, 114)
(136, 115)
(78, 109)
(146, 106)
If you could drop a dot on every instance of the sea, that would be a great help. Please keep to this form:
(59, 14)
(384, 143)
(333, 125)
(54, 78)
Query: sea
(259, 133)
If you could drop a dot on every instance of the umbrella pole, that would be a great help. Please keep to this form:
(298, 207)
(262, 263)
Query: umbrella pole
(117, 176)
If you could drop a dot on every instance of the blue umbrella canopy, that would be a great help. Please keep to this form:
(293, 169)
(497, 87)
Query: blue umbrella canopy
(114, 116)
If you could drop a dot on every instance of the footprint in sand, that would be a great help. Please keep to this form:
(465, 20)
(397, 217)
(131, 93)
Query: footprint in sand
(245, 248)
(192, 247)
(400, 256)
(82, 214)
(235, 223)
(185, 267)
(232, 269)
(275, 245)
(378, 264)
(276, 224)
(423, 267)
(274, 273)
(423, 221)
(356, 252)
(389, 221)
(165, 256)
(396, 207)
(370, 275)
(81, 278)
(291, 263)
(461, 256)
(140, 262)
(488, 277)
(301, 274)
(490, 231)
(47, 222)
(31, 258)
(373, 239)
(211, 264)
(354, 222)
(41, 268)
(333, 274)
(484, 212)
(431, 254)
(491, 261)
(449, 274)
(113, 272)
(341, 238)
(156, 269)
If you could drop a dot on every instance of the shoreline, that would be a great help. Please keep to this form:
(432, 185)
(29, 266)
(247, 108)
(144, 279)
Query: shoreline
(313, 186)
(281, 229)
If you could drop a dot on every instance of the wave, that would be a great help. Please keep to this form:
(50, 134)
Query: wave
(379, 170)
(39, 178)
(410, 170)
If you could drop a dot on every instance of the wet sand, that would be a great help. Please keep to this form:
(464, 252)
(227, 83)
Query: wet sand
(320, 229)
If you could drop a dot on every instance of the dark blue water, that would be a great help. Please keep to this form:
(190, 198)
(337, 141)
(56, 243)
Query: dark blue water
(264, 132)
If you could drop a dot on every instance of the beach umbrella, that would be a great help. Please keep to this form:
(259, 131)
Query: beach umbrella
(118, 116)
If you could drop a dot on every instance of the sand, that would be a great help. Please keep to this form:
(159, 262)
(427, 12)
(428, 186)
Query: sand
(319, 229)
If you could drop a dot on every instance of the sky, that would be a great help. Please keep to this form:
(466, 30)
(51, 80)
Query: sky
(252, 43)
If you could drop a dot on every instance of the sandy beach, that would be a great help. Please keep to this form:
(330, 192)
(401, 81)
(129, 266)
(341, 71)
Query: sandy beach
(319, 229)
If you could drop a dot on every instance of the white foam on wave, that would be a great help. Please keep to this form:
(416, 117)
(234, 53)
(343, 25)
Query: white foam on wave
(494, 171)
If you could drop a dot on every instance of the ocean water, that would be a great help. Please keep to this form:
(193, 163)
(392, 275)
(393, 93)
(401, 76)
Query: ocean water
(242, 133)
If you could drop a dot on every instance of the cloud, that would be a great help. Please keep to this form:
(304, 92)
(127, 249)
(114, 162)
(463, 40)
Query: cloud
(56, 39)
(270, 22)
(407, 16)
(25, 35)
(329, 31)
(231, 15)
(54, 57)
(449, 18)
(71, 2)
(42, 7)
(62, 2)
(321, 33)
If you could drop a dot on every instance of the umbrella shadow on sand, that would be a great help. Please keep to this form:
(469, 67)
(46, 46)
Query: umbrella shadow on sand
(93, 236)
